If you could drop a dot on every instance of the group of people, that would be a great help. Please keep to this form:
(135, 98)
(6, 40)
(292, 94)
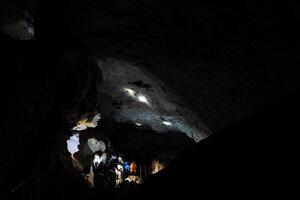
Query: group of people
(109, 170)
(121, 169)
(106, 170)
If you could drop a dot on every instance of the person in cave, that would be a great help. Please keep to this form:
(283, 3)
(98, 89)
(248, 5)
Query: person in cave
(133, 168)
(126, 168)
(119, 174)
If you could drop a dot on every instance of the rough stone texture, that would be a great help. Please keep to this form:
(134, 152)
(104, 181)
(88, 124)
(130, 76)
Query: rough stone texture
(162, 109)
(227, 61)
(96, 145)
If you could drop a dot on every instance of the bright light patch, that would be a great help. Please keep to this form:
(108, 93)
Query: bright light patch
(138, 124)
(133, 178)
(96, 145)
(85, 123)
(72, 144)
(143, 99)
(167, 123)
(96, 160)
(99, 159)
(130, 92)
(133, 94)
(156, 166)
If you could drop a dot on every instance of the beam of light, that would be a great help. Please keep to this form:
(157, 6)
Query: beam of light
(167, 123)
(130, 92)
(138, 124)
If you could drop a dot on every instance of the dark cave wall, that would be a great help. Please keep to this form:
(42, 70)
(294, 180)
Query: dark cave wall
(45, 91)
(255, 158)
(227, 60)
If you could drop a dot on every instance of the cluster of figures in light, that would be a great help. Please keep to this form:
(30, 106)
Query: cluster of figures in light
(111, 172)
(107, 169)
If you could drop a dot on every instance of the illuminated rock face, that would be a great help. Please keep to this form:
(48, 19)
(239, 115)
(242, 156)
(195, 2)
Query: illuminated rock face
(156, 166)
(72, 144)
(83, 124)
(96, 145)
(99, 159)
(131, 94)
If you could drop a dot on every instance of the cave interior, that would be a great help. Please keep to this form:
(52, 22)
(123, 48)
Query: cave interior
(148, 99)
